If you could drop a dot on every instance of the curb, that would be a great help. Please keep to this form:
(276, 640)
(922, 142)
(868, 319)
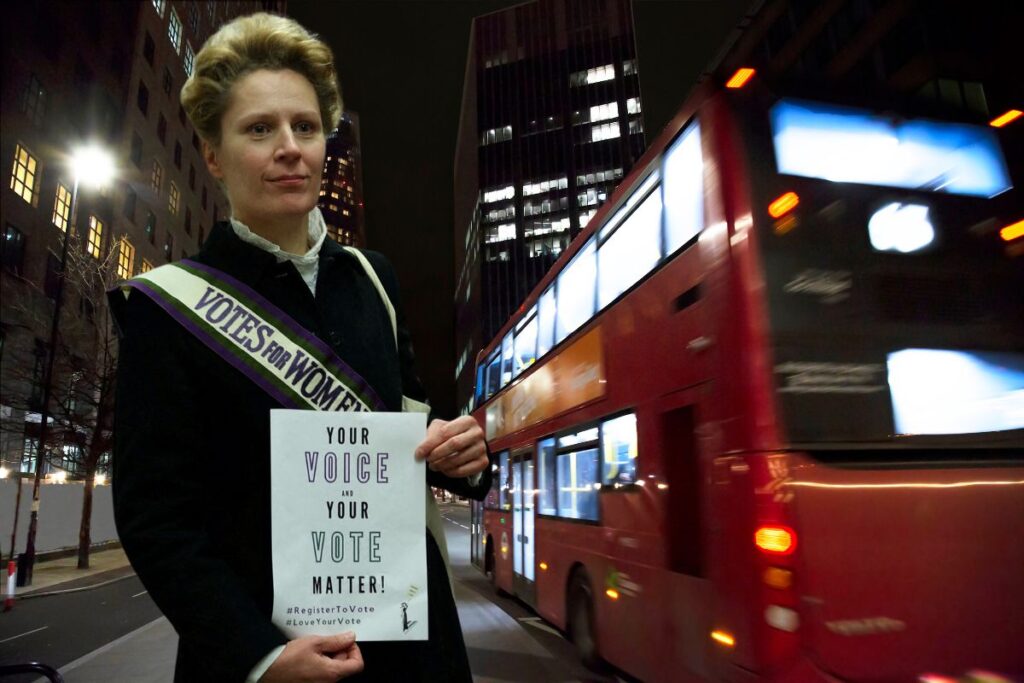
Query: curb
(46, 593)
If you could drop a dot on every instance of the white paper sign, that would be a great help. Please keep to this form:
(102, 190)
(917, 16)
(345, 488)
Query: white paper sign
(348, 524)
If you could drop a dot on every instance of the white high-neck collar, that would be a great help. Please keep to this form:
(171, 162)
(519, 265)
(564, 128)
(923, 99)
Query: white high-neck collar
(317, 233)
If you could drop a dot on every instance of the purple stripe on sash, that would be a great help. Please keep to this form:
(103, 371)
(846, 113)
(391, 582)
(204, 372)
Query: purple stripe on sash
(295, 327)
(217, 346)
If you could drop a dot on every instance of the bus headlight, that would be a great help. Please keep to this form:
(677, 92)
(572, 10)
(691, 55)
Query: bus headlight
(901, 227)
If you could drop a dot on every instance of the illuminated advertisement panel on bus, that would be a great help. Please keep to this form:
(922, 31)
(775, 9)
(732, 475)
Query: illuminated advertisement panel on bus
(569, 379)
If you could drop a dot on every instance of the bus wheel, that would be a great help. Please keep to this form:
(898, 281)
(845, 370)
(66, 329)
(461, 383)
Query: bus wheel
(580, 622)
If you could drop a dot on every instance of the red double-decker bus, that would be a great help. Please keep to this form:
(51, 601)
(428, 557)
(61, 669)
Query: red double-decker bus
(764, 418)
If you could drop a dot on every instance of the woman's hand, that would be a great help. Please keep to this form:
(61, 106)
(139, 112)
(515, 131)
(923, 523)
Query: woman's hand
(455, 449)
(316, 659)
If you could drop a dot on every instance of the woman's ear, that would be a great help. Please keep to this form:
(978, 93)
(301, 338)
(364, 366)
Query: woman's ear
(212, 163)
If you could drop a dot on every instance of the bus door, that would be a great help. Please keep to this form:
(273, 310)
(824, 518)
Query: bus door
(522, 526)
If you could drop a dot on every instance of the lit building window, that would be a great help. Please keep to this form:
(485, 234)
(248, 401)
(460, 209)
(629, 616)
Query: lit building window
(605, 131)
(585, 217)
(496, 135)
(345, 212)
(507, 192)
(172, 201)
(636, 126)
(94, 241)
(595, 75)
(190, 58)
(62, 208)
(598, 176)
(501, 233)
(335, 195)
(545, 186)
(23, 175)
(174, 31)
(591, 196)
(633, 105)
(157, 177)
(603, 112)
(145, 267)
(160, 6)
(125, 259)
(629, 67)
(33, 100)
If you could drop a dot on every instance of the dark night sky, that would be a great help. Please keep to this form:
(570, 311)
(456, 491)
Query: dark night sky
(401, 67)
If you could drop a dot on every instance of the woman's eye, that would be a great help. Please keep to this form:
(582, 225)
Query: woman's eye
(259, 128)
(306, 127)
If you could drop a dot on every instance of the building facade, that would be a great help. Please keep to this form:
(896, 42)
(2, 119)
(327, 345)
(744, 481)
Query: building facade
(550, 122)
(108, 74)
(341, 189)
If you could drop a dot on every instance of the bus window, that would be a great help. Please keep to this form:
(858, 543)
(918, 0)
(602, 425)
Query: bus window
(525, 347)
(843, 144)
(505, 482)
(619, 446)
(577, 475)
(506, 359)
(546, 484)
(491, 501)
(546, 322)
(577, 484)
(631, 252)
(576, 292)
(480, 385)
(493, 375)
(683, 190)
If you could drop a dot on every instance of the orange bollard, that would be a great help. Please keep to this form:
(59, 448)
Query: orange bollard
(12, 569)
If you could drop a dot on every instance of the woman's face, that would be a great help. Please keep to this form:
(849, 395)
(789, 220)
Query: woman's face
(271, 154)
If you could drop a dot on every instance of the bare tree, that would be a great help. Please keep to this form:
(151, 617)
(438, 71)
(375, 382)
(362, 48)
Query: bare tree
(80, 434)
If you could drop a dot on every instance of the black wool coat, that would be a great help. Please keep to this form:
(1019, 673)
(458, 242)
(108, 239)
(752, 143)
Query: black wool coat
(191, 479)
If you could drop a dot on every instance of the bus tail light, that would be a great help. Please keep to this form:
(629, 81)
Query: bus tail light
(1012, 231)
(1006, 118)
(777, 540)
(740, 78)
(783, 205)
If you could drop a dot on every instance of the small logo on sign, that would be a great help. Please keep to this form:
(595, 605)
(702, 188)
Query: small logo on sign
(406, 624)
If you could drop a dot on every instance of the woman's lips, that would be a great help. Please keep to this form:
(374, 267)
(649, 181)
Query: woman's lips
(289, 181)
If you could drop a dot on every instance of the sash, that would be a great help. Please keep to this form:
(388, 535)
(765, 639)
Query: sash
(272, 349)
(256, 337)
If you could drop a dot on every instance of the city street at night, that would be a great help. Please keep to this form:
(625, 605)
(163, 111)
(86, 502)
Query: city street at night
(512, 341)
(115, 633)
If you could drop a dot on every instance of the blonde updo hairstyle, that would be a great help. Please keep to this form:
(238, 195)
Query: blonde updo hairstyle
(250, 43)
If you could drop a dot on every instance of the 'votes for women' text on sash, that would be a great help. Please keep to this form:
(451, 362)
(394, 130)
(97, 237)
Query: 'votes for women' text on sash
(348, 499)
(348, 524)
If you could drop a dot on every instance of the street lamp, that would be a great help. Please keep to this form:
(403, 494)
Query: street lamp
(94, 167)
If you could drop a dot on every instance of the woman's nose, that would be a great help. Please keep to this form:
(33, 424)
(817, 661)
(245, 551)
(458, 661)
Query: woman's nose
(287, 145)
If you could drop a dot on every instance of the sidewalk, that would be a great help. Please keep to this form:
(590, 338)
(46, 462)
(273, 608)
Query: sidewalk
(64, 574)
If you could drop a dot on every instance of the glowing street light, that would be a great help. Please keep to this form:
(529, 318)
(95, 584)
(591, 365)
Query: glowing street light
(94, 167)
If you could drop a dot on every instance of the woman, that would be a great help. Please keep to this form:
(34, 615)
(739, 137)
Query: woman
(191, 464)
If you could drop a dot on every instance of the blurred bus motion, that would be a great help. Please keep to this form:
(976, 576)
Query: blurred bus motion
(764, 418)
